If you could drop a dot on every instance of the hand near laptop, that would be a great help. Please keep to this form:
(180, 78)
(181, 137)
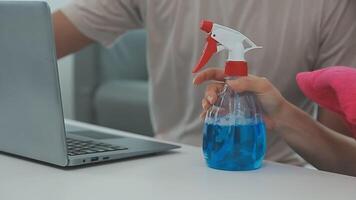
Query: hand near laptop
(335, 152)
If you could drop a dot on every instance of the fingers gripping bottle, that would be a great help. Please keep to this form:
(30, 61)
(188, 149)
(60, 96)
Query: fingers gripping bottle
(234, 136)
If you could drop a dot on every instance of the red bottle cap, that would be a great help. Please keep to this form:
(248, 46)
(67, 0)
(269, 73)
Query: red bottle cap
(206, 26)
(236, 68)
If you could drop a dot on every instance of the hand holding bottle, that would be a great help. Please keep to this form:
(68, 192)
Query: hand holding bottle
(271, 99)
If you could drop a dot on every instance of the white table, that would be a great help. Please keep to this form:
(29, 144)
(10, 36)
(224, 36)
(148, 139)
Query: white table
(179, 175)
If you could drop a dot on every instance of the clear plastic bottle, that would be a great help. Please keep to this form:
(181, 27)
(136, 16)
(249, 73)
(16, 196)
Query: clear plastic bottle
(234, 136)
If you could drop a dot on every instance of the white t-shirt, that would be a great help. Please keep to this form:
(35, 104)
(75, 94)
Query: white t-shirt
(296, 35)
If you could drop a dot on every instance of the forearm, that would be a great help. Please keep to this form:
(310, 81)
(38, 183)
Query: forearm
(322, 147)
(68, 39)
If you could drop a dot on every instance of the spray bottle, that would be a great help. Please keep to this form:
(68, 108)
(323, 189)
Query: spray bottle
(234, 136)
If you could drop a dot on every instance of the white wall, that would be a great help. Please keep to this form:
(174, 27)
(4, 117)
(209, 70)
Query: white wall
(65, 66)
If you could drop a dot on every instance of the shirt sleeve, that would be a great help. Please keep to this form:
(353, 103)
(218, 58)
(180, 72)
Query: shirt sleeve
(338, 34)
(104, 20)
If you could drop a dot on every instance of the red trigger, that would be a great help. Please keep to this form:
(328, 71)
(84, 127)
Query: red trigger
(209, 50)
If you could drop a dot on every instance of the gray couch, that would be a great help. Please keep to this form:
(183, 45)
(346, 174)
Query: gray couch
(111, 85)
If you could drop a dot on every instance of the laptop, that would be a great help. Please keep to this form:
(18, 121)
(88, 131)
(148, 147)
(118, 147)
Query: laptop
(31, 115)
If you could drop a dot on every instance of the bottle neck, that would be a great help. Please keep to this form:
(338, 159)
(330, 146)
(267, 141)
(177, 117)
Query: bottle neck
(236, 68)
(227, 87)
(229, 78)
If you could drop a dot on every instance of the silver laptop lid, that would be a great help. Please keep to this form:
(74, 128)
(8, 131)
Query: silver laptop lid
(31, 116)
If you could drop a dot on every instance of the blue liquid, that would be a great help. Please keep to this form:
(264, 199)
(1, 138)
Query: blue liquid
(234, 148)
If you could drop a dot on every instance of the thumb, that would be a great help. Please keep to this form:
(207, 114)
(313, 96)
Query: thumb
(250, 83)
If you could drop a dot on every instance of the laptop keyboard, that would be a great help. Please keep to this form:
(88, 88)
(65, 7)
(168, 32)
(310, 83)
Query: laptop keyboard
(80, 147)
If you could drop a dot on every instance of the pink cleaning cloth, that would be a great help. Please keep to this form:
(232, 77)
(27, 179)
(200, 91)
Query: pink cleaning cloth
(333, 88)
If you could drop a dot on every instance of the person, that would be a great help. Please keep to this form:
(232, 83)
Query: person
(321, 146)
(297, 35)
